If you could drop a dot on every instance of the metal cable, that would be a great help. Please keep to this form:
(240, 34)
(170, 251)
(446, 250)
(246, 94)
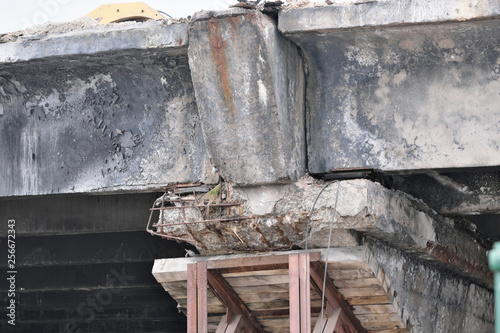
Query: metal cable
(307, 236)
(327, 252)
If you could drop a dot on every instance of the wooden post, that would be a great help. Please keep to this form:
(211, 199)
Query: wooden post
(300, 293)
(201, 277)
(192, 299)
(197, 311)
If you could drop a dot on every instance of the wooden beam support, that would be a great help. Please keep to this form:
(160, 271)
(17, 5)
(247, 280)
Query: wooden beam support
(201, 277)
(335, 298)
(192, 300)
(258, 263)
(300, 293)
(197, 311)
(232, 301)
(234, 325)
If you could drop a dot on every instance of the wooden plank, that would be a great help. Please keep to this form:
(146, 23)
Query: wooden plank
(305, 292)
(397, 330)
(192, 312)
(333, 296)
(333, 321)
(271, 297)
(263, 289)
(171, 276)
(382, 317)
(279, 313)
(221, 328)
(235, 325)
(283, 304)
(321, 322)
(271, 324)
(369, 300)
(255, 263)
(257, 278)
(348, 265)
(382, 326)
(201, 278)
(354, 283)
(294, 287)
(350, 274)
(362, 292)
(374, 309)
(175, 286)
(234, 304)
(182, 297)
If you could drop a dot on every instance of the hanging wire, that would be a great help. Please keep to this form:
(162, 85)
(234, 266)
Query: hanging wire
(327, 253)
(307, 238)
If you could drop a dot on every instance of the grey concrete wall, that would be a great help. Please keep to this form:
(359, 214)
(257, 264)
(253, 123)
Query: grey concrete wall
(249, 85)
(113, 122)
(398, 98)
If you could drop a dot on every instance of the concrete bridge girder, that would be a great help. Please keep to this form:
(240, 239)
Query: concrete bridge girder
(392, 98)
(402, 97)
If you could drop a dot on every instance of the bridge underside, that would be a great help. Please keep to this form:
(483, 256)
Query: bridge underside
(261, 133)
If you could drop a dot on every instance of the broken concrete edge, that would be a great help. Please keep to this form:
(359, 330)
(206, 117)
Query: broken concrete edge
(384, 13)
(113, 37)
(368, 237)
(204, 15)
(276, 218)
(147, 35)
(415, 282)
(442, 237)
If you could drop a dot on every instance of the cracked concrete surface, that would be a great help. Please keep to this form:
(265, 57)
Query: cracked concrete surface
(278, 217)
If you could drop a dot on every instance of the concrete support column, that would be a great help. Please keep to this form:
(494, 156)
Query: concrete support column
(249, 86)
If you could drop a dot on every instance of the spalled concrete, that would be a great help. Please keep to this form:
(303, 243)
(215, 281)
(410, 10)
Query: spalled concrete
(152, 34)
(278, 217)
(100, 123)
(249, 85)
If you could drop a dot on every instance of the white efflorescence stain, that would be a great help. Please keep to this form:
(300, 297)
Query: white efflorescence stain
(1, 109)
(262, 92)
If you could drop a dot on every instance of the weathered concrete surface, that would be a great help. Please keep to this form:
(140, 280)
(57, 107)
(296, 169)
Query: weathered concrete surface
(278, 216)
(122, 121)
(250, 87)
(457, 192)
(402, 98)
(431, 296)
(147, 35)
(365, 13)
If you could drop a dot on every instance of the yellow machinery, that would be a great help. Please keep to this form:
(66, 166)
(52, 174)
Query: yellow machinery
(120, 12)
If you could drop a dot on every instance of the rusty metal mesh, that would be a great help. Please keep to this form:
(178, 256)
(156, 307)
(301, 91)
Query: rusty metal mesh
(187, 204)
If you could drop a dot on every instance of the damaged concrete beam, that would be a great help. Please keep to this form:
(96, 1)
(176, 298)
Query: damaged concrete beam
(249, 85)
(430, 296)
(104, 123)
(402, 97)
(278, 215)
(111, 38)
(368, 13)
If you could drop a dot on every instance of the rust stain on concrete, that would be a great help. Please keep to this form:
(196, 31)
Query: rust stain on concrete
(445, 254)
(218, 54)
